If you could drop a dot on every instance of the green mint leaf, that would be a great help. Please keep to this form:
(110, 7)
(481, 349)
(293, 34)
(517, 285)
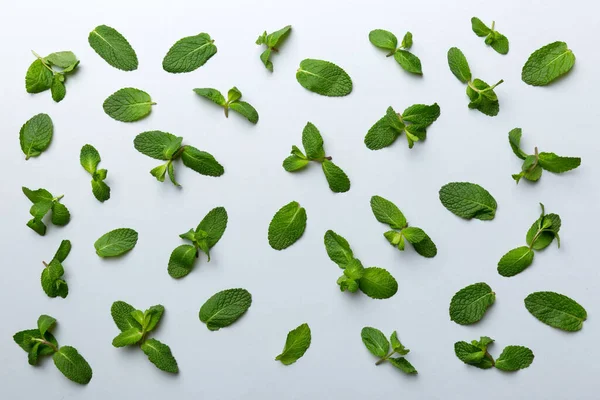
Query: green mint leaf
(468, 200)
(395, 238)
(62, 59)
(514, 358)
(547, 64)
(473, 355)
(543, 231)
(171, 172)
(32, 357)
(224, 308)
(375, 341)
(500, 43)
(287, 226)
(385, 131)
(160, 355)
(313, 142)
(264, 57)
(157, 144)
(470, 303)
(422, 114)
(458, 65)
(479, 27)
(408, 61)
(35, 135)
(181, 261)
(383, 39)
(189, 53)
(52, 285)
(377, 283)
(37, 226)
(515, 261)
(200, 161)
(403, 365)
(128, 105)
(514, 138)
(100, 190)
(89, 158)
(336, 178)
(214, 224)
(556, 310)
(113, 48)
(116, 242)
(246, 110)
(296, 344)
(425, 247)
(397, 346)
(44, 323)
(483, 98)
(121, 313)
(294, 163)
(272, 41)
(58, 88)
(72, 365)
(324, 78)
(557, 164)
(128, 337)
(211, 94)
(233, 95)
(63, 251)
(407, 41)
(159, 172)
(27, 339)
(338, 249)
(155, 314)
(60, 214)
(387, 212)
(38, 196)
(38, 77)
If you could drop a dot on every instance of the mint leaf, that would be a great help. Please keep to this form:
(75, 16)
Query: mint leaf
(294, 163)
(224, 308)
(116, 242)
(459, 65)
(468, 200)
(557, 164)
(89, 159)
(386, 40)
(514, 139)
(213, 224)
(35, 135)
(408, 61)
(43, 202)
(113, 48)
(181, 261)
(212, 94)
(63, 251)
(246, 110)
(336, 178)
(377, 283)
(62, 59)
(474, 355)
(60, 214)
(387, 212)
(514, 358)
(157, 144)
(544, 230)
(121, 313)
(58, 89)
(383, 39)
(403, 365)
(324, 78)
(38, 77)
(495, 39)
(160, 355)
(287, 226)
(338, 249)
(556, 310)
(312, 142)
(272, 41)
(72, 365)
(233, 102)
(296, 344)
(547, 64)
(375, 341)
(44, 323)
(422, 114)
(483, 97)
(515, 261)
(407, 41)
(479, 27)
(201, 162)
(52, 282)
(128, 337)
(189, 53)
(385, 131)
(128, 105)
(470, 303)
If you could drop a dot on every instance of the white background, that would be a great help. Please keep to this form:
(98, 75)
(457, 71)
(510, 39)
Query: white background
(299, 284)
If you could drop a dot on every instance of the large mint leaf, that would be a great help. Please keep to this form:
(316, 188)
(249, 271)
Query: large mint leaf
(556, 310)
(35, 135)
(189, 53)
(324, 78)
(548, 64)
(113, 48)
(116, 242)
(224, 308)
(468, 200)
(287, 226)
(469, 304)
(128, 105)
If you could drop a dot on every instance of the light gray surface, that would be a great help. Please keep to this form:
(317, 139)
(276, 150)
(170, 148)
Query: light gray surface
(298, 284)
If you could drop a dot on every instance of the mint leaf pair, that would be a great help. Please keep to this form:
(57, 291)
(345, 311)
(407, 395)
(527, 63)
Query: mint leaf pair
(556, 310)
(116, 242)
(135, 325)
(189, 53)
(51, 72)
(208, 232)
(272, 41)
(512, 358)
(167, 147)
(375, 282)
(470, 303)
(482, 95)
(40, 342)
(547, 64)
(535, 163)
(128, 105)
(52, 276)
(540, 235)
(287, 226)
(493, 38)
(89, 158)
(387, 41)
(313, 146)
(224, 308)
(297, 342)
(378, 345)
(35, 135)
(388, 213)
(43, 202)
(109, 44)
(232, 103)
(413, 121)
(324, 78)
(468, 200)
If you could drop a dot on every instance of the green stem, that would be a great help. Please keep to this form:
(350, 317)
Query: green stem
(493, 25)
(43, 62)
(58, 198)
(382, 359)
(47, 343)
(499, 82)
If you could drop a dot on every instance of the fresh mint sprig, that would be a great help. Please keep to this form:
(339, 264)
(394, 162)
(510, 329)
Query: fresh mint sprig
(387, 41)
(43, 202)
(51, 72)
